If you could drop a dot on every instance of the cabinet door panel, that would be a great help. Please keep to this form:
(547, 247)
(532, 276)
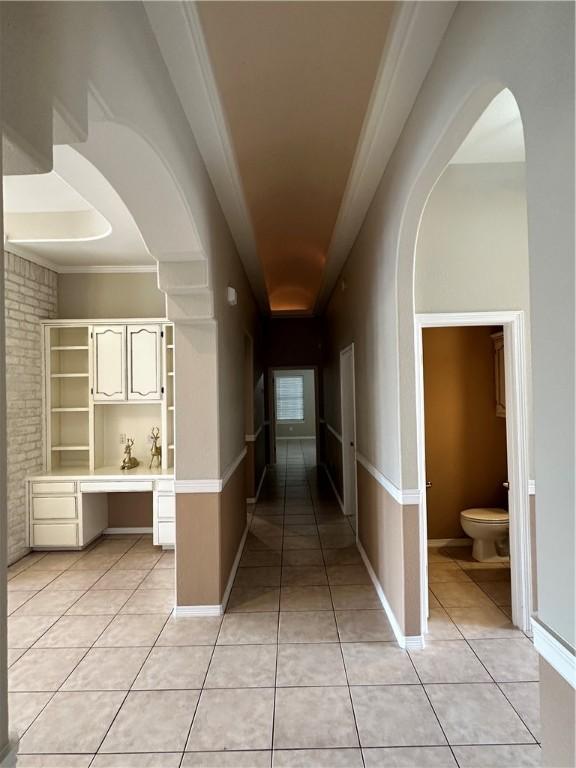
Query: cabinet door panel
(144, 362)
(109, 362)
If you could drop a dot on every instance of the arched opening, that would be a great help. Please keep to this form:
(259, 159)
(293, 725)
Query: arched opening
(471, 318)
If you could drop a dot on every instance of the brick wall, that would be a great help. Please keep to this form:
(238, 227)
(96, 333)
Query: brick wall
(31, 294)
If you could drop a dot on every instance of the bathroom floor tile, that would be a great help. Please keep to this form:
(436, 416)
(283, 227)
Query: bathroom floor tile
(457, 595)
(485, 621)
(332, 725)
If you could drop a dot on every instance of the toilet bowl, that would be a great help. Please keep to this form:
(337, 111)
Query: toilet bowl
(486, 527)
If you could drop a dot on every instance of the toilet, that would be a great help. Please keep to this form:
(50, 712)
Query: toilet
(485, 526)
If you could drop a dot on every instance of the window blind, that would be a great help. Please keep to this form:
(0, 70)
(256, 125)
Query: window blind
(290, 398)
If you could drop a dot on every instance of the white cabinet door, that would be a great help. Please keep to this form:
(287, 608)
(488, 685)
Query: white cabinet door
(144, 362)
(109, 345)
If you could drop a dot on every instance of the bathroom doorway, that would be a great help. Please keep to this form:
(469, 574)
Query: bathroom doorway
(508, 395)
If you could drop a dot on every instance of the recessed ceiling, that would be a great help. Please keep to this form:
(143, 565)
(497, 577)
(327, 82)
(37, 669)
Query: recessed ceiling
(497, 136)
(72, 218)
(295, 80)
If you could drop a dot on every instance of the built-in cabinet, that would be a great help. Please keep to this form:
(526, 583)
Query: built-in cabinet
(104, 382)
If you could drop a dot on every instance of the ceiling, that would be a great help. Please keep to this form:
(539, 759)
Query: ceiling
(497, 136)
(72, 219)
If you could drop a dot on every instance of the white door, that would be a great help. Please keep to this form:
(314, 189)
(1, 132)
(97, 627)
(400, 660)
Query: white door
(109, 350)
(348, 405)
(144, 381)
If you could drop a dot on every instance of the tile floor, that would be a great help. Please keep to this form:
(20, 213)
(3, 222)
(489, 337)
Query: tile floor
(303, 669)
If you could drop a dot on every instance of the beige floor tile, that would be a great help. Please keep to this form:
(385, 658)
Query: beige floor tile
(301, 557)
(439, 573)
(152, 721)
(168, 560)
(17, 599)
(43, 669)
(245, 759)
(449, 661)
(319, 758)
(378, 664)
(260, 543)
(163, 578)
(338, 540)
(261, 576)
(300, 529)
(150, 601)
(508, 661)
(307, 627)
(57, 561)
(441, 626)
(47, 603)
(477, 714)
(498, 591)
(95, 562)
(242, 666)
(304, 664)
(54, 761)
(23, 631)
(233, 720)
(121, 580)
(138, 760)
(525, 698)
(31, 580)
(251, 600)
(440, 555)
(354, 597)
(363, 626)
(14, 654)
(106, 669)
(496, 573)
(483, 622)
(457, 595)
(509, 756)
(75, 580)
(305, 599)
(249, 628)
(137, 561)
(72, 723)
(300, 542)
(74, 632)
(100, 601)
(24, 563)
(24, 708)
(332, 724)
(395, 716)
(131, 631)
(409, 757)
(344, 575)
(253, 559)
(304, 576)
(189, 630)
(174, 667)
(343, 556)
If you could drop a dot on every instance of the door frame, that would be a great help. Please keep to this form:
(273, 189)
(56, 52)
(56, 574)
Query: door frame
(349, 350)
(515, 373)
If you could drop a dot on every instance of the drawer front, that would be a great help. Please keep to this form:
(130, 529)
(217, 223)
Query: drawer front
(55, 535)
(116, 486)
(166, 533)
(53, 507)
(166, 508)
(40, 489)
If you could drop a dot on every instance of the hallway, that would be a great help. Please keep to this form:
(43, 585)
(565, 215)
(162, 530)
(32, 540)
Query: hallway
(304, 660)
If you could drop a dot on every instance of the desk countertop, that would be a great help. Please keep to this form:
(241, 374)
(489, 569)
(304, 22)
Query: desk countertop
(140, 472)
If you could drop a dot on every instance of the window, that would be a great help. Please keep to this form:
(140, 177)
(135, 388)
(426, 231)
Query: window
(289, 398)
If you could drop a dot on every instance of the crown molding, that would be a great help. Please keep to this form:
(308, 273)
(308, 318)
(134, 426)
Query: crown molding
(416, 32)
(180, 36)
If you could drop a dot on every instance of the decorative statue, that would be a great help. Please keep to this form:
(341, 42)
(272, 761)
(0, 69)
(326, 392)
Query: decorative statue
(129, 461)
(156, 450)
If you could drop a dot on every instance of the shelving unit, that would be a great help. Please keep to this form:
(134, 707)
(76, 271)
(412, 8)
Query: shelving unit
(168, 400)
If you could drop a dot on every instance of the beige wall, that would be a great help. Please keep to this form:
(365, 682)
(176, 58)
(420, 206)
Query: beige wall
(105, 295)
(558, 718)
(465, 439)
(307, 427)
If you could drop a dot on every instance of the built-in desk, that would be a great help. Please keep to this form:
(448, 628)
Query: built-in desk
(68, 509)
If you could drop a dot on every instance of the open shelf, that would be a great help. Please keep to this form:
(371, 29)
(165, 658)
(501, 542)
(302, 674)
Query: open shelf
(70, 447)
(69, 348)
(69, 375)
(70, 410)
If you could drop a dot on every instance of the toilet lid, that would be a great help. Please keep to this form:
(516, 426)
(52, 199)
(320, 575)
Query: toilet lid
(486, 515)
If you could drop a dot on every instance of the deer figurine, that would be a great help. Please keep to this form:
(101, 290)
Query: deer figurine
(156, 450)
(129, 461)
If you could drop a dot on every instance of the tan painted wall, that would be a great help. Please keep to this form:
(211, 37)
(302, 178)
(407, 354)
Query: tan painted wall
(332, 448)
(558, 716)
(465, 440)
(110, 295)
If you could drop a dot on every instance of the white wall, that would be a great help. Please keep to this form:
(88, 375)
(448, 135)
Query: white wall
(306, 428)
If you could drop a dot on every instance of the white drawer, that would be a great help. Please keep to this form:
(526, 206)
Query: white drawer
(53, 507)
(60, 488)
(55, 535)
(116, 486)
(166, 533)
(166, 507)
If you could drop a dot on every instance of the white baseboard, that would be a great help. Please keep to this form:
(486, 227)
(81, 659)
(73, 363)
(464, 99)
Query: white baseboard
(556, 653)
(411, 642)
(218, 609)
(463, 542)
(254, 499)
(119, 531)
(340, 502)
